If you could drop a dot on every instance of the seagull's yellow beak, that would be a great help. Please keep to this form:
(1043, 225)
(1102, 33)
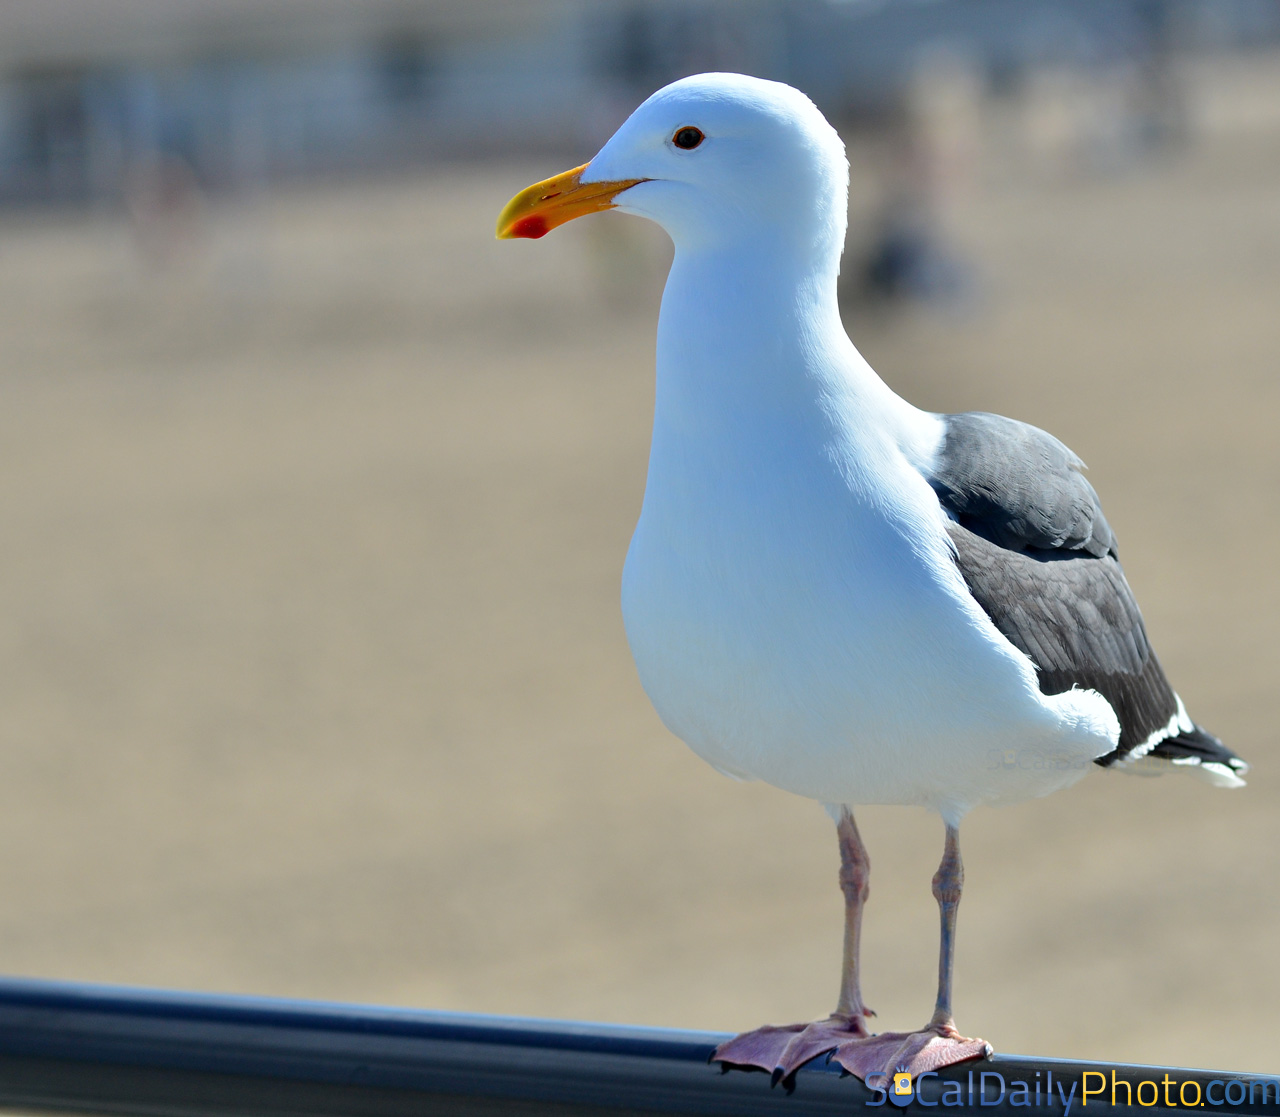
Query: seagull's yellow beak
(539, 208)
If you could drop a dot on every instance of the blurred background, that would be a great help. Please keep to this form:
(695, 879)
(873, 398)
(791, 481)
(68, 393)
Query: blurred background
(315, 499)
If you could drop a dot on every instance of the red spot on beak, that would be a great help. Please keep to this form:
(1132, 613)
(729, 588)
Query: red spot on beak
(533, 227)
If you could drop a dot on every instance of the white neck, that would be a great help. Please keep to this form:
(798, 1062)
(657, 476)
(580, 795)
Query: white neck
(750, 340)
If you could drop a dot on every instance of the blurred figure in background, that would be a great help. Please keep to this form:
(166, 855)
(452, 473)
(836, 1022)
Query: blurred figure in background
(166, 211)
(934, 151)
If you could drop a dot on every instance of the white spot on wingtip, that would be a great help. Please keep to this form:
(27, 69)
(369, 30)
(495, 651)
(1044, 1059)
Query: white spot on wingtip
(1180, 723)
(1183, 718)
(1216, 772)
(1220, 775)
(1162, 734)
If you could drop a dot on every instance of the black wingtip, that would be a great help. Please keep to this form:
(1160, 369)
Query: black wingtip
(1198, 747)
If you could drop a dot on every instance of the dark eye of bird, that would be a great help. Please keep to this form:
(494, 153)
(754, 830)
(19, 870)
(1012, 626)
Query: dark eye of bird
(687, 138)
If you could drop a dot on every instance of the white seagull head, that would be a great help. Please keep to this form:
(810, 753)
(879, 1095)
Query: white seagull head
(716, 160)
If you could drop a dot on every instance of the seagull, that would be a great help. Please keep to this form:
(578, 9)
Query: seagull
(828, 588)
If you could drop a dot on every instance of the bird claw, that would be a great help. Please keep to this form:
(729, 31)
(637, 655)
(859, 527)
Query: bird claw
(914, 1052)
(782, 1050)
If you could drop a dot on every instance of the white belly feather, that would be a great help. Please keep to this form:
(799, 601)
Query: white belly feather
(790, 595)
(792, 628)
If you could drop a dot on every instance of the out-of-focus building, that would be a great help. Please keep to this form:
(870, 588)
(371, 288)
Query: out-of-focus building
(95, 98)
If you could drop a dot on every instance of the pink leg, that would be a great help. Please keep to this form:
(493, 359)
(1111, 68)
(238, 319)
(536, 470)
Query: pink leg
(785, 1049)
(855, 877)
(938, 1044)
(788, 1047)
(948, 883)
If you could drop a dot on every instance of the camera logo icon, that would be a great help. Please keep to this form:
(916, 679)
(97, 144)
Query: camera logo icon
(903, 1090)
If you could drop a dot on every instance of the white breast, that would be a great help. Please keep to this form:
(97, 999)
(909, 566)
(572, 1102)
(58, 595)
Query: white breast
(791, 602)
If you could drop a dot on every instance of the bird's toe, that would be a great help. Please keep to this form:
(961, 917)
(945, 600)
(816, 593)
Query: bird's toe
(784, 1049)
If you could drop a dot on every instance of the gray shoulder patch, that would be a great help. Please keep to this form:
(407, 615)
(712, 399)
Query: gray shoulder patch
(1018, 487)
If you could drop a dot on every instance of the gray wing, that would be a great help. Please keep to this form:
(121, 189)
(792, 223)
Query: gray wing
(1040, 558)
(1019, 487)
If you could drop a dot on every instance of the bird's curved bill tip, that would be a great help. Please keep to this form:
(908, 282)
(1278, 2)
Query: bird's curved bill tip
(539, 208)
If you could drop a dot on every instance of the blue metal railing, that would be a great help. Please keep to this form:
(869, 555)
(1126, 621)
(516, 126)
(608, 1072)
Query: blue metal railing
(104, 1049)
